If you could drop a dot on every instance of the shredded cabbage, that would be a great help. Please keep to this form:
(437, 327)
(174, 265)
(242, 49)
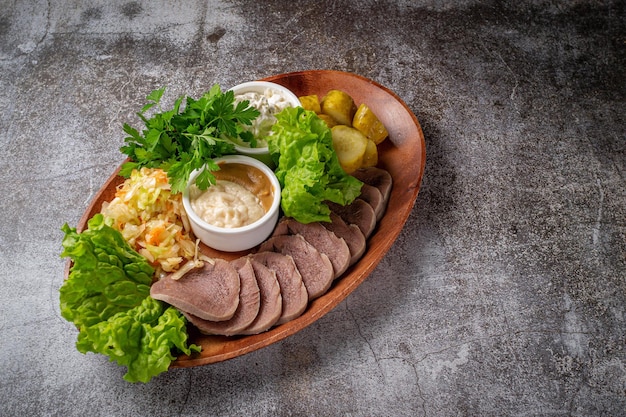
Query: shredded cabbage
(152, 219)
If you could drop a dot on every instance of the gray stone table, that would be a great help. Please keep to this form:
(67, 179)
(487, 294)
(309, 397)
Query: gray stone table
(505, 293)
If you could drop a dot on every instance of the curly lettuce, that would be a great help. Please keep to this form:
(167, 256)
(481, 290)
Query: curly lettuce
(107, 296)
(308, 170)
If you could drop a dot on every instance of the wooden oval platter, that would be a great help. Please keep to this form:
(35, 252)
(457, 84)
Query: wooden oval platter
(403, 154)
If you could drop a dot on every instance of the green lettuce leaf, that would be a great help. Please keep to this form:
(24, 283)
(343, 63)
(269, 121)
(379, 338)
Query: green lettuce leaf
(107, 296)
(142, 339)
(308, 170)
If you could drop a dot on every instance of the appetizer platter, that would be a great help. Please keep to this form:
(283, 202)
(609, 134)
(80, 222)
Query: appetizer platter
(402, 155)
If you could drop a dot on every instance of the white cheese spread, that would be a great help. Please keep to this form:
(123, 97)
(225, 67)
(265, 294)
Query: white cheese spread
(268, 104)
(226, 204)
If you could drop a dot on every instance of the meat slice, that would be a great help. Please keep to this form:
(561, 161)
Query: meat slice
(322, 239)
(376, 177)
(359, 213)
(271, 301)
(372, 196)
(292, 289)
(351, 233)
(248, 309)
(210, 292)
(315, 267)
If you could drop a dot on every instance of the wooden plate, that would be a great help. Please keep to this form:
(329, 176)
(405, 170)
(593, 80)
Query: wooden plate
(402, 154)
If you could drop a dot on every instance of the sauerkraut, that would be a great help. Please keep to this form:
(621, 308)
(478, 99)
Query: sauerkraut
(152, 219)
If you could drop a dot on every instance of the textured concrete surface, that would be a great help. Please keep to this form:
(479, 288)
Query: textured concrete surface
(504, 295)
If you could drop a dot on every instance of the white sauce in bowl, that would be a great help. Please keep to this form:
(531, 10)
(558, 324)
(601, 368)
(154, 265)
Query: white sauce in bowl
(268, 104)
(226, 204)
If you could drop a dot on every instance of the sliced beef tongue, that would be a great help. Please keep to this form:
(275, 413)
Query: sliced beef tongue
(372, 196)
(271, 306)
(210, 292)
(320, 238)
(358, 213)
(315, 267)
(292, 289)
(247, 311)
(376, 177)
(350, 233)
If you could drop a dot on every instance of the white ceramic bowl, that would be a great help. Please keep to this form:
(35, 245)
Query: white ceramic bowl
(237, 238)
(260, 87)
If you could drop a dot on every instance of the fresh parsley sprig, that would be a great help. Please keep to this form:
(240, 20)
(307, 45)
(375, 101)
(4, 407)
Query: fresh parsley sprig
(181, 141)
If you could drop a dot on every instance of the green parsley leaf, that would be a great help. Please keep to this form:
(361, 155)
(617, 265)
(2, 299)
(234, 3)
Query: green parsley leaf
(181, 141)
